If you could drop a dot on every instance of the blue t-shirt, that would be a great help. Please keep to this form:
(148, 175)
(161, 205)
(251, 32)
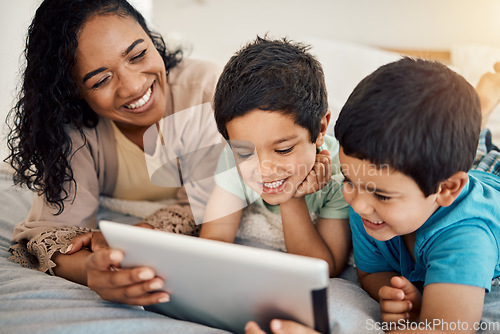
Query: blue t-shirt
(457, 244)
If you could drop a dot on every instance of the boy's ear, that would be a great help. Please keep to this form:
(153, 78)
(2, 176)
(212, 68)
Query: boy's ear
(450, 188)
(323, 127)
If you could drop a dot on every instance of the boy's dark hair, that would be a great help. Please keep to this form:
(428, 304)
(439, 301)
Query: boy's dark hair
(417, 116)
(272, 75)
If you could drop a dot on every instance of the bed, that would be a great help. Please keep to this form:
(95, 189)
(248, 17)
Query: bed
(34, 302)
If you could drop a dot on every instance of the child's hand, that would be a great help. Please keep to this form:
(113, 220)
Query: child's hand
(402, 300)
(318, 177)
(280, 327)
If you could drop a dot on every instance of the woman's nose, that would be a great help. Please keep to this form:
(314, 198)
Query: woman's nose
(131, 83)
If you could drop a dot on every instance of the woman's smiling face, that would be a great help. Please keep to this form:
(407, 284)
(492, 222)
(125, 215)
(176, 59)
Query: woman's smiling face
(119, 72)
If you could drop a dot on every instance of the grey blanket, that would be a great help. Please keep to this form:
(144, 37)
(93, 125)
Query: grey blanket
(34, 302)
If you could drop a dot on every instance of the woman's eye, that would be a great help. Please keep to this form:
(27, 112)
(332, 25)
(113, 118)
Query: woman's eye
(381, 197)
(101, 82)
(139, 56)
(288, 150)
(242, 156)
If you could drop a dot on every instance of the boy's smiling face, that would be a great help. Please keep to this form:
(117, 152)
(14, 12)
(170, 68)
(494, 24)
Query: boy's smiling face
(389, 202)
(274, 155)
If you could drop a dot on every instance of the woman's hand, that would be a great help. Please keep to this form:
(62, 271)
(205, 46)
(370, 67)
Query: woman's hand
(280, 327)
(92, 240)
(135, 286)
(318, 177)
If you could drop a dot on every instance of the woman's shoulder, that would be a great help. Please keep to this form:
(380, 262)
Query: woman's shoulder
(190, 71)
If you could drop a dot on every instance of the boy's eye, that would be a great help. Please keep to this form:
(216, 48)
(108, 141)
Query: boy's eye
(347, 181)
(288, 150)
(139, 56)
(381, 197)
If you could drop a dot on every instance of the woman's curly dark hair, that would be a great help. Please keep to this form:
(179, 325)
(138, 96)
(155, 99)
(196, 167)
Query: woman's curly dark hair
(48, 101)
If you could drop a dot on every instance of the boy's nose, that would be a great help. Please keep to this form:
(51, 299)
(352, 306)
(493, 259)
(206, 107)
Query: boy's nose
(361, 204)
(267, 167)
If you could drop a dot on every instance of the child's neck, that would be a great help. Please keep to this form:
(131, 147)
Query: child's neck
(409, 240)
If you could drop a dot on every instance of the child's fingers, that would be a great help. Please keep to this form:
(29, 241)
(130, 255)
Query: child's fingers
(320, 170)
(324, 152)
(393, 317)
(325, 160)
(309, 185)
(395, 306)
(323, 169)
(402, 283)
(390, 293)
(318, 177)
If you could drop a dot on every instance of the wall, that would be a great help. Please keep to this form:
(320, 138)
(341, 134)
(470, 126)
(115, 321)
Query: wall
(217, 28)
(15, 17)
(214, 29)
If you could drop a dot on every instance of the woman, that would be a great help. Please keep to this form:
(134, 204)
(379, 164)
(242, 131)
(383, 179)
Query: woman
(96, 80)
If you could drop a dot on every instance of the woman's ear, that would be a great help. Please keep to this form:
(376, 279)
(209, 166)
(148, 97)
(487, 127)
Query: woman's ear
(323, 127)
(450, 188)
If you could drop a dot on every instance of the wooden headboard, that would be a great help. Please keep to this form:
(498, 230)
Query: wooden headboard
(441, 56)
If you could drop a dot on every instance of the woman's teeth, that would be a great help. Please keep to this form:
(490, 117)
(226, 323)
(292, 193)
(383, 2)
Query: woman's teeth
(142, 101)
(274, 184)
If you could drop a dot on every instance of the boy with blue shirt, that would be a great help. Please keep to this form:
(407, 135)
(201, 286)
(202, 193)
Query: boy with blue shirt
(407, 121)
(425, 229)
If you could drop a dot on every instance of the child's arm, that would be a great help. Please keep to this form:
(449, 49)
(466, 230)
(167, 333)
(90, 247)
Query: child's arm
(222, 216)
(441, 303)
(330, 239)
(449, 308)
(373, 282)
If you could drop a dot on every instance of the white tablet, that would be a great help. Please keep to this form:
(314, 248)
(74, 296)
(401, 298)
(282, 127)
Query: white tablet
(225, 285)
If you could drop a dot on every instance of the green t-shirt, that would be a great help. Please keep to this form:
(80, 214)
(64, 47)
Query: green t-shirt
(326, 203)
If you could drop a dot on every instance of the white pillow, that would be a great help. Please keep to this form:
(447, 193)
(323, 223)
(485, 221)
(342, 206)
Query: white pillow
(345, 65)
